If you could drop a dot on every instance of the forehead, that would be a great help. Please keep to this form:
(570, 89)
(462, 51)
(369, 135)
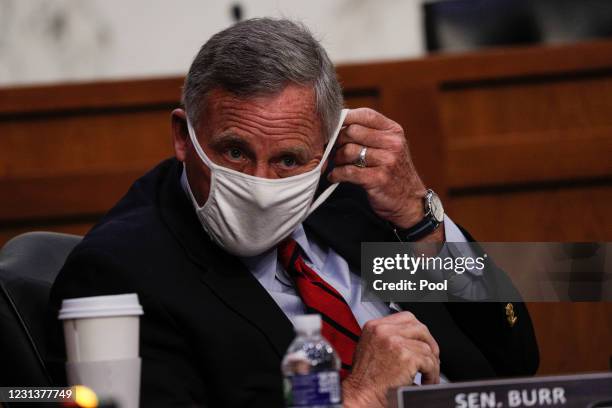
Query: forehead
(292, 112)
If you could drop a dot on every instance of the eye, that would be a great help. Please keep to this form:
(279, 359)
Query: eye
(289, 161)
(235, 153)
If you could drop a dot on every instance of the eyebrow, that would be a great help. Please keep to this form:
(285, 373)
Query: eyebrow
(300, 152)
(227, 139)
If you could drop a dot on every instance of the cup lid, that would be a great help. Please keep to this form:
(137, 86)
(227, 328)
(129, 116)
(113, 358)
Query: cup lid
(100, 306)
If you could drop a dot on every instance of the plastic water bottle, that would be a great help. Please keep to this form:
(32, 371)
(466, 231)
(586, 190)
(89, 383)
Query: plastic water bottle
(311, 368)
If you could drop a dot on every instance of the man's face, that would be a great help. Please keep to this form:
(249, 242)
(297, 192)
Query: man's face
(270, 137)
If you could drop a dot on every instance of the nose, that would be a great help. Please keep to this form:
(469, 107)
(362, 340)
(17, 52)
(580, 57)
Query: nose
(263, 170)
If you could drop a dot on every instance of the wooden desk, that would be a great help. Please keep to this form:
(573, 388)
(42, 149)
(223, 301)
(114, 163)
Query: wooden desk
(517, 142)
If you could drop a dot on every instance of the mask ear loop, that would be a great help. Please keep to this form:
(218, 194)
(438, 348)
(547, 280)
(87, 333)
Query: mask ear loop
(198, 147)
(329, 190)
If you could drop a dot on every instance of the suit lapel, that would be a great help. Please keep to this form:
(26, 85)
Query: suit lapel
(224, 274)
(241, 292)
(344, 222)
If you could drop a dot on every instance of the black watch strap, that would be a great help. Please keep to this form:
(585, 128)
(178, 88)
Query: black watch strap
(421, 229)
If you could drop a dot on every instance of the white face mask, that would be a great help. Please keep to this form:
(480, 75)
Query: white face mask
(247, 215)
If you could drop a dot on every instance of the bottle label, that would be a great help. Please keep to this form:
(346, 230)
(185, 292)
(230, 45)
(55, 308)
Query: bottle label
(321, 388)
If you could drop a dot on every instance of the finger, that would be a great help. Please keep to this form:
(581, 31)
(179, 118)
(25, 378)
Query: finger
(426, 363)
(430, 370)
(409, 328)
(399, 318)
(366, 177)
(349, 153)
(369, 118)
(418, 331)
(364, 136)
(407, 319)
(414, 356)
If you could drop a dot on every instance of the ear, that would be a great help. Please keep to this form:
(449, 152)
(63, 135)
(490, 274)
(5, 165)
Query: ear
(180, 134)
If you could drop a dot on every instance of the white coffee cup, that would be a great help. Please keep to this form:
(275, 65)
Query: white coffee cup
(102, 338)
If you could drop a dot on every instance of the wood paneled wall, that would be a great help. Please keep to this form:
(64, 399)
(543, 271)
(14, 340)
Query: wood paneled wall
(69, 152)
(517, 142)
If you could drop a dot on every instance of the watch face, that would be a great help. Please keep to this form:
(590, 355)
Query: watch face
(436, 208)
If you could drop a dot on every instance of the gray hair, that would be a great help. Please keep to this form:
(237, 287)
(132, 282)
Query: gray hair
(261, 56)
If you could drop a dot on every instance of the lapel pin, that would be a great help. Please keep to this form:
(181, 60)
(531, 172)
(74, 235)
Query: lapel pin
(510, 316)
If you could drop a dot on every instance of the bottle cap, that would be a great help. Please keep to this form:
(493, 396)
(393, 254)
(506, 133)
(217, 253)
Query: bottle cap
(310, 323)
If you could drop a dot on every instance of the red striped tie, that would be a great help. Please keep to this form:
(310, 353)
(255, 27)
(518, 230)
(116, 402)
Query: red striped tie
(339, 325)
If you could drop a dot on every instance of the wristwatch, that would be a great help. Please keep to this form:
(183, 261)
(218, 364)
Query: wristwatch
(434, 215)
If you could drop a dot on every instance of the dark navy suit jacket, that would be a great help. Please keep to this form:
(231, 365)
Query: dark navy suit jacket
(211, 335)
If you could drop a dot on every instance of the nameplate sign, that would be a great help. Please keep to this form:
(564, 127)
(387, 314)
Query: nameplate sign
(569, 391)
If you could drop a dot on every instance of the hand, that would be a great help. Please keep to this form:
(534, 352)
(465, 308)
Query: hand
(390, 353)
(394, 188)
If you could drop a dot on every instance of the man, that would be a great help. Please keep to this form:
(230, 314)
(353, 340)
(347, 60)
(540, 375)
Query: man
(211, 240)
